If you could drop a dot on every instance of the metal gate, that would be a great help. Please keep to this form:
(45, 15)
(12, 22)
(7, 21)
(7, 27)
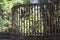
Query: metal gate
(36, 22)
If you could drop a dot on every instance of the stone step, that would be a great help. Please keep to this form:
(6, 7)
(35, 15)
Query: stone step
(4, 39)
(4, 35)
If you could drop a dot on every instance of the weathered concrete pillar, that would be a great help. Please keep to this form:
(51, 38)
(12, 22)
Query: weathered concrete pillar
(13, 30)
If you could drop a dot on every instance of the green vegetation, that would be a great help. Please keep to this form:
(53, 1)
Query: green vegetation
(5, 12)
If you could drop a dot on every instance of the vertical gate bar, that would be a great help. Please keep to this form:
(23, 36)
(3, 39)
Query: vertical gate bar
(54, 24)
(42, 9)
(48, 22)
(55, 20)
(34, 31)
(29, 18)
(37, 17)
(44, 17)
(32, 19)
(30, 13)
(24, 21)
(59, 13)
(26, 25)
(39, 11)
(57, 26)
(40, 18)
(37, 21)
(35, 14)
(50, 26)
(58, 19)
(37, 25)
(41, 23)
(52, 20)
(16, 20)
(58, 32)
(28, 21)
(20, 19)
(19, 22)
(58, 8)
(42, 14)
(34, 22)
